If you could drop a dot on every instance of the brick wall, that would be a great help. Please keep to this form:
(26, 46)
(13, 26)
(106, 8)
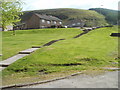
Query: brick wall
(33, 22)
(36, 22)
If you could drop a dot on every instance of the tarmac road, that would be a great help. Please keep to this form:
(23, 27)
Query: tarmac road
(105, 80)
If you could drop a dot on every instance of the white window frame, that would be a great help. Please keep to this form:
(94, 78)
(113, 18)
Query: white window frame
(48, 22)
(60, 22)
(73, 24)
(55, 22)
(43, 21)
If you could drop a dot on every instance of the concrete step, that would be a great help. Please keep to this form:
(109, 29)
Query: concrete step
(4, 64)
(7, 62)
(28, 51)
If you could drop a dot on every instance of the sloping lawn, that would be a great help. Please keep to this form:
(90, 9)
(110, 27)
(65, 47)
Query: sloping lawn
(0, 45)
(93, 50)
(25, 39)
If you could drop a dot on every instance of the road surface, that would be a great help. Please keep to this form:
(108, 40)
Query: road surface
(105, 80)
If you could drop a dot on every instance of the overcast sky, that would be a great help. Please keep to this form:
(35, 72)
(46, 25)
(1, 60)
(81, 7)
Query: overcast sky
(80, 4)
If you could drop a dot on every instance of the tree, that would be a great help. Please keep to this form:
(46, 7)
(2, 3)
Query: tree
(10, 12)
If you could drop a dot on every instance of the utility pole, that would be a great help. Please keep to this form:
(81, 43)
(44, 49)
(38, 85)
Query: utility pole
(100, 8)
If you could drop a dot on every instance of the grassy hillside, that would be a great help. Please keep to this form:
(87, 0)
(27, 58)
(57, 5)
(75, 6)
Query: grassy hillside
(27, 38)
(110, 15)
(92, 51)
(91, 17)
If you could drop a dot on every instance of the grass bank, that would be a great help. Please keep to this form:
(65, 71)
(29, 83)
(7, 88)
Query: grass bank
(91, 51)
(25, 39)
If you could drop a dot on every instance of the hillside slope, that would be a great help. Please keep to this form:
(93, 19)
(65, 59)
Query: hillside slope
(91, 18)
(110, 15)
(92, 52)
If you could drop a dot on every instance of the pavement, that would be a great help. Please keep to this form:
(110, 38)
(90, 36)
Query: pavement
(28, 51)
(105, 80)
(5, 63)
(11, 60)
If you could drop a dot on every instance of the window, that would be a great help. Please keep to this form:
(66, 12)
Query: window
(43, 20)
(74, 24)
(78, 23)
(55, 22)
(60, 22)
(48, 22)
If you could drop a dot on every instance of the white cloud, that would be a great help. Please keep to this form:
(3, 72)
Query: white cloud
(81, 4)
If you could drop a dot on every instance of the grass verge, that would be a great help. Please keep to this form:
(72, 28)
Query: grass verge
(25, 39)
(91, 51)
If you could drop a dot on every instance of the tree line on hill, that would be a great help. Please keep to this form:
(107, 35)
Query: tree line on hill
(111, 16)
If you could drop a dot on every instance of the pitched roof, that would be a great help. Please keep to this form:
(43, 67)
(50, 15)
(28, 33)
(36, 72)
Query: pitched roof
(46, 17)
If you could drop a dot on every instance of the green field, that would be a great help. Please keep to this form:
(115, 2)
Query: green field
(0, 45)
(91, 51)
(25, 39)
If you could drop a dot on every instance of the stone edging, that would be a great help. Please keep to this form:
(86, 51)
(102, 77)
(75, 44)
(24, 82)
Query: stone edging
(39, 82)
(46, 81)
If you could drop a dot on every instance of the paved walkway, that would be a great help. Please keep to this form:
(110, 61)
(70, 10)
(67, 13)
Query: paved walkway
(11, 60)
(106, 80)
(22, 54)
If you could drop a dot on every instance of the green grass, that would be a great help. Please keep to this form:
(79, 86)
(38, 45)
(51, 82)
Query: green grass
(0, 42)
(110, 15)
(94, 50)
(0, 45)
(25, 39)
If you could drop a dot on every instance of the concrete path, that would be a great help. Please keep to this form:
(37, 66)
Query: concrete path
(106, 80)
(7, 62)
(10, 60)
(28, 51)
(13, 59)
